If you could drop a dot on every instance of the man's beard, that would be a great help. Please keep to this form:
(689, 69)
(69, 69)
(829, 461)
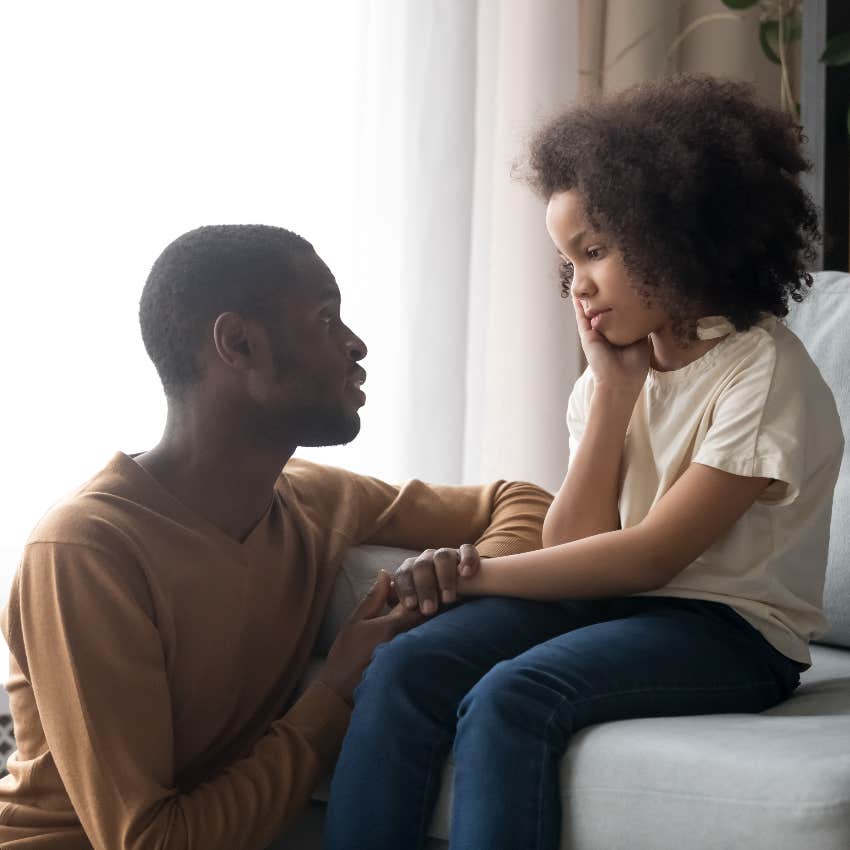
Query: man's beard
(325, 426)
(308, 426)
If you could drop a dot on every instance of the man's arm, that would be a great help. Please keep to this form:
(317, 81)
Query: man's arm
(697, 510)
(516, 511)
(501, 518)
(94, 658)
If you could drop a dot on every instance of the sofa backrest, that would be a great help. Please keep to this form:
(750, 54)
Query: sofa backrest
(822, 322)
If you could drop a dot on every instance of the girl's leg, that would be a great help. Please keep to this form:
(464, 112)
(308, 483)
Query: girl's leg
(661, 657)
(386, 781)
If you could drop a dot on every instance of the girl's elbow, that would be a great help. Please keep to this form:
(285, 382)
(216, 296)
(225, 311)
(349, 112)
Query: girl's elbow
(552, 535)
(550, 538)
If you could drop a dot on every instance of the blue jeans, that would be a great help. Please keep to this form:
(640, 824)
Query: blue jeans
(506, 682)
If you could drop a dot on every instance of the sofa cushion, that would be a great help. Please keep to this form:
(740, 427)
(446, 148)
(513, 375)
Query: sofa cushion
(822, 322)
(776, 780)
(357, 575)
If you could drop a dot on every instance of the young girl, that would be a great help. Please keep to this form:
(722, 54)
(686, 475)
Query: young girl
(685, 551)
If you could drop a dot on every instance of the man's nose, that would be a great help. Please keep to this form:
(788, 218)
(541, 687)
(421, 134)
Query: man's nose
(355, 347)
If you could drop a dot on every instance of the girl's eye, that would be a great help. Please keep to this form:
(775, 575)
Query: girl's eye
(594, 253)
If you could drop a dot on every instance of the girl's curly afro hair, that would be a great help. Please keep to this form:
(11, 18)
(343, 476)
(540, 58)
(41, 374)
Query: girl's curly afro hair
(697, 184)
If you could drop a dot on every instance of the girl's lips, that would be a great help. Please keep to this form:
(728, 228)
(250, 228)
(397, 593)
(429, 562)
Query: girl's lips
(596, 318)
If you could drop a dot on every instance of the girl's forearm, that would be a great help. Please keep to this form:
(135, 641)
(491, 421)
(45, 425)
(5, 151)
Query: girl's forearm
(617, 563)
(586, 504)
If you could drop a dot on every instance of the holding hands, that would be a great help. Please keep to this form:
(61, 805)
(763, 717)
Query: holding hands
(431, 579)
(416, 590)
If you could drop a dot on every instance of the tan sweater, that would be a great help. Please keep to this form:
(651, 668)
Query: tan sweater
(154, 658)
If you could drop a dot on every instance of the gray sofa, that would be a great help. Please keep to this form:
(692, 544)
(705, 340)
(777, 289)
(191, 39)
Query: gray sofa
(762, 782)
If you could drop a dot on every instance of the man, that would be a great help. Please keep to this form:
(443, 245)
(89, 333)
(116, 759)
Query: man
(163, 614)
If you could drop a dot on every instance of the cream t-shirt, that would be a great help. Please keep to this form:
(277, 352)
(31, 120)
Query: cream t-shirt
(754, 405)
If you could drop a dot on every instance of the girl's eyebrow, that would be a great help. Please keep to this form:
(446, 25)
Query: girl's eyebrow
(576, 238)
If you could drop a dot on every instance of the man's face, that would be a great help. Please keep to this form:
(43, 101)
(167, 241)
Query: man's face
(312, 389)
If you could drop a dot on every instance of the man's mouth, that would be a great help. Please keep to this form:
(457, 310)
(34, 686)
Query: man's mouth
(357, 379)
(355, 382)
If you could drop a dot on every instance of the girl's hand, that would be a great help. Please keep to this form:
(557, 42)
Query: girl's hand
(621, 368)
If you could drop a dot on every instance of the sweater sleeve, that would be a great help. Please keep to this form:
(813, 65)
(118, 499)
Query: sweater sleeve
(90, 649)
(501, 518)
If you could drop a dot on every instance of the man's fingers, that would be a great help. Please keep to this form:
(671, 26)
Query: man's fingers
(404, 587)
(445, 568)
(401, 620)
(425, 581)
(375, 600)
(392, 594)
(470, 560)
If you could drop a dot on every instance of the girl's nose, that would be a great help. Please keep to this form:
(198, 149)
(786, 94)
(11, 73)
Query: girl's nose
(583, 285)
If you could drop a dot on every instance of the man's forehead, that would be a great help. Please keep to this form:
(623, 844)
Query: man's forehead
(317, 280)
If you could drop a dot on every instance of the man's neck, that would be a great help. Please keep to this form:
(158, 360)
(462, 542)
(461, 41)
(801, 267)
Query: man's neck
(216, 471)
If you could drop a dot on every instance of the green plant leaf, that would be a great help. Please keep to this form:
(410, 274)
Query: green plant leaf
(792, 28)
(740, 4)
(837, 50)
(769, 40)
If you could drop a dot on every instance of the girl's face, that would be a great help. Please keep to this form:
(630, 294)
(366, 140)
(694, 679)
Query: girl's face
(601, 282)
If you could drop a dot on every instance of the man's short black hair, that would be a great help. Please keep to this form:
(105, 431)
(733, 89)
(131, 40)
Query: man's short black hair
(240, 268)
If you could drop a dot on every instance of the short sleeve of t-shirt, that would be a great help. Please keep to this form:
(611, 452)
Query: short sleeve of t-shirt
(758, 421)
(577, 408)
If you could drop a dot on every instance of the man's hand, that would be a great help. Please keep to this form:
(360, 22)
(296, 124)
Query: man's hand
(366, 628)
(423, 583)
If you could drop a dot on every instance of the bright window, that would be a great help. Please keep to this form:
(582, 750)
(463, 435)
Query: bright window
(124, 126)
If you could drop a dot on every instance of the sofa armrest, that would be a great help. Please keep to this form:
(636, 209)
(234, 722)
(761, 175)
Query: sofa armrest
(356, 576)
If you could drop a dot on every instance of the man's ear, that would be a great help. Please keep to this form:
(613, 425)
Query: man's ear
(234, 341)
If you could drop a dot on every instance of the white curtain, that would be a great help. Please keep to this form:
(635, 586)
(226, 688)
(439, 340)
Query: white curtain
(407, 293)
(523, 353)
(382, 130)
(473, 353)
(124, 126)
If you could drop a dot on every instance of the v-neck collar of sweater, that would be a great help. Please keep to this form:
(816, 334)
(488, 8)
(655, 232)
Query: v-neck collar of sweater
(163, 500)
